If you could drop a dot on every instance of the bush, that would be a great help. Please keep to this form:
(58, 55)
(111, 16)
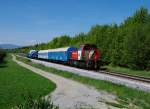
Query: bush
(39, 103)
(2, 55)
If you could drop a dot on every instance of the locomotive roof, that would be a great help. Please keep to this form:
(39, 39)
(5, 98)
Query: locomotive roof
(32, 51)
(55, 50)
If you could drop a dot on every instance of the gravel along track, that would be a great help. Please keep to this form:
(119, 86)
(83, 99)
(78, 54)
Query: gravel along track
(98, 75)
(72, 95)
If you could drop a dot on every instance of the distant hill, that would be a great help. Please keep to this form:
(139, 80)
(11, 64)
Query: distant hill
(8, 46)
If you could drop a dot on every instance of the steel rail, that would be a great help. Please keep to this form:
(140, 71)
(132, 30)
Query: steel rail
(131, 77)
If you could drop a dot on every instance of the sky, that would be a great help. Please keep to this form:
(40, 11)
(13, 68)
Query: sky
(26, 22)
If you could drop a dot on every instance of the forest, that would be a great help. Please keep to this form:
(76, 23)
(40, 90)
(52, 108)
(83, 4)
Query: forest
(126, 44)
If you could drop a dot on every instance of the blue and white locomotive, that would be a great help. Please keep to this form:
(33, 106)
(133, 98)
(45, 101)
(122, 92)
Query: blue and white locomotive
(32, 54)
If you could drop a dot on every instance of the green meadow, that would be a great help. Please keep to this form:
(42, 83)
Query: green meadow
(17, 82)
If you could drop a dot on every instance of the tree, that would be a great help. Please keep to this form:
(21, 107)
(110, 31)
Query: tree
(2, 55)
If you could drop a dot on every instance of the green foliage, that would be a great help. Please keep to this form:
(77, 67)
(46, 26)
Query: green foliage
(39, 103)
(136, 42)
(127, 44)
(2, 55)
(78, 39)
(60, 42)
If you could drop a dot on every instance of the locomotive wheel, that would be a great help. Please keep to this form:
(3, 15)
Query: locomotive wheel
(80, 64)
(71, 63)
(83, 65)
(87, 66)
(96, 66)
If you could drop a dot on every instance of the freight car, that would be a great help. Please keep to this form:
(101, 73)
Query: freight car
(87, 56)
(32, 54)
(59, 54)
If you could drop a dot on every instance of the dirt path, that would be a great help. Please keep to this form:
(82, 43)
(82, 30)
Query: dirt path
(71, 94)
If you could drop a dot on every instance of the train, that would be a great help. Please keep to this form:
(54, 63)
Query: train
(87, 56)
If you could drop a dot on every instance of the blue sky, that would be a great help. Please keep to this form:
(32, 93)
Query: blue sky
(25, 22)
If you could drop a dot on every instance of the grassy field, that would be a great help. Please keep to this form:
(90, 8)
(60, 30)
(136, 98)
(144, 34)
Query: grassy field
(128, 71)
(127, 97)
(17, 82)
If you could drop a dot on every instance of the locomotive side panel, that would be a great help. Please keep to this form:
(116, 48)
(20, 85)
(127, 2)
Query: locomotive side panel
(43, 54)
(58, 56)
(74, 55)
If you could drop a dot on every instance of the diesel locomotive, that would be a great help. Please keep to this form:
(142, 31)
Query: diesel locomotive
(87, 56)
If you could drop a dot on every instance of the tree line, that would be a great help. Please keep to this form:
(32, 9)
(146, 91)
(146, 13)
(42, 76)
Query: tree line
(2, 55)
(126, 44)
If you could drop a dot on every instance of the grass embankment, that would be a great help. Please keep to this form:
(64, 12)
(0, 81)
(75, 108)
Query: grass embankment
(16, 82)
(128, 71)
(127, 97)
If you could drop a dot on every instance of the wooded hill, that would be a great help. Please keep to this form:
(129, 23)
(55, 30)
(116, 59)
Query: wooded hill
(126, 44)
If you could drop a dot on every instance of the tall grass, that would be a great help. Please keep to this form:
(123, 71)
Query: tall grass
(39, 103)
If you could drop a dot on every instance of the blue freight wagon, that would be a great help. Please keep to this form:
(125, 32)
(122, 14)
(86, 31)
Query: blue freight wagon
(59, 54)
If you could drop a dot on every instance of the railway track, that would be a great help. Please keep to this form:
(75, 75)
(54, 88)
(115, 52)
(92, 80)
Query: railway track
(137, 82)
(131, 77)
(117, 74)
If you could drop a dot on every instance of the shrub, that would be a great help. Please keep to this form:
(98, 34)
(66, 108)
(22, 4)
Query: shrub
(39, 103)
(2, 55)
